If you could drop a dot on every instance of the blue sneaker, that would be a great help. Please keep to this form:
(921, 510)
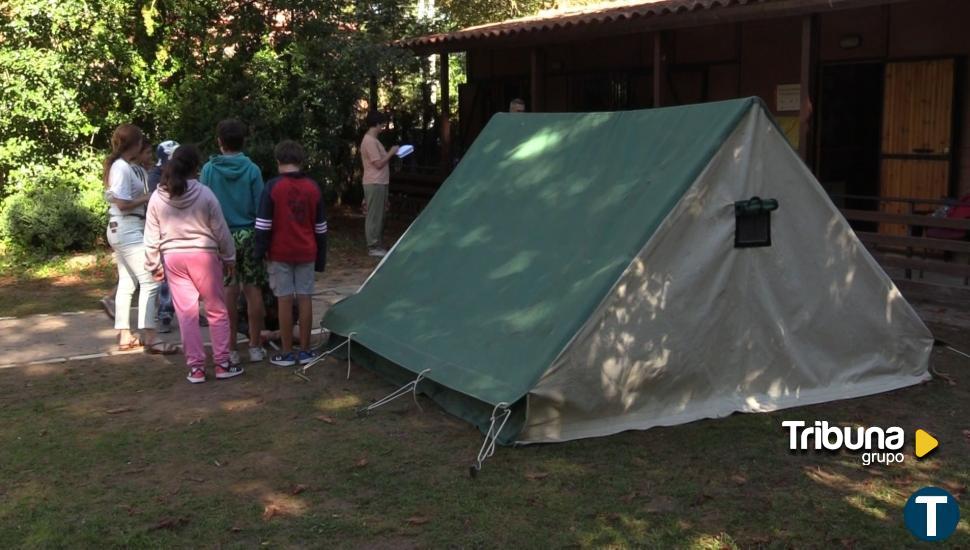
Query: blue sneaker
(283, 359)
(306, 356)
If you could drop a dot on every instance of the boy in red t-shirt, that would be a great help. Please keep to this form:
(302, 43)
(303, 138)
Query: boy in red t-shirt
(291, 231)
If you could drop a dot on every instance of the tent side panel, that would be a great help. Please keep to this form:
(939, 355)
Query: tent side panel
(698, 329)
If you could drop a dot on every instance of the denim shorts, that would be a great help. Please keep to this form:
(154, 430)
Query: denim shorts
(288, 279)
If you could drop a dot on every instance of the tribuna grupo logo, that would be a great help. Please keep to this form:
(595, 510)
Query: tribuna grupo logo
(877, 445)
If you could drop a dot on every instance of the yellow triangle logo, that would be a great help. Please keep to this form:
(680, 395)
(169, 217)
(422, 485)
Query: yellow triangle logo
(925, 443)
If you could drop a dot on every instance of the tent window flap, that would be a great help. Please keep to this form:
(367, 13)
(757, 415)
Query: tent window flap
(753, 222)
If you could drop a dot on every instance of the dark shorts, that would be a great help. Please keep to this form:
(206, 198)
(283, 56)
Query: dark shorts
(249, 271)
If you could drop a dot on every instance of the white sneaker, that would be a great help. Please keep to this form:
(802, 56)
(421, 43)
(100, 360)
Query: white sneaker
(377, 252)
(257, 355)
(234, 357)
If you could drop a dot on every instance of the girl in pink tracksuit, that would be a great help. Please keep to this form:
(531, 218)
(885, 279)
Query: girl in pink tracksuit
(187, 242)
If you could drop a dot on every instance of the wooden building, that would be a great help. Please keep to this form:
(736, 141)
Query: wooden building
(872, 93)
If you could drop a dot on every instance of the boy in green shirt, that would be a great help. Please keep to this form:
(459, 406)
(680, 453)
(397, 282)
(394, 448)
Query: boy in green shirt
(238, 184)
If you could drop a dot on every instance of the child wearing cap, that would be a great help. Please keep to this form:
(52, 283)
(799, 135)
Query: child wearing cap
(291, 231)
(166, 308)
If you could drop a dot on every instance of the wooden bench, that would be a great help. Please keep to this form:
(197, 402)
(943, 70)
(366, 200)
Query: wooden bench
(917, 255)
(411, 191)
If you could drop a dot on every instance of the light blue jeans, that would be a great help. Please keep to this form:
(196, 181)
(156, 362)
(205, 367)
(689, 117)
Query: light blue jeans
(126, 237)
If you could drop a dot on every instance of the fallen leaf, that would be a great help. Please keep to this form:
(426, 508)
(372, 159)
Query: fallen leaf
(630, 497)
(270, 511)
(297, 489)
(536, 476)
(235, 529)
(418, 520)
(327, 419)
(119, 410)
(218, 464)
(739, 479)
(361, 463)
(169, 523)
(195, 479)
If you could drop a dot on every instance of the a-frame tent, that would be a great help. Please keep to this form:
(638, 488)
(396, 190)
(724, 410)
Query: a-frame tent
(580, 271)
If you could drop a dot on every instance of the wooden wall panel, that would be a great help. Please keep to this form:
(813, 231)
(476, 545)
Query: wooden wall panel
(918, 107)
(908, 178)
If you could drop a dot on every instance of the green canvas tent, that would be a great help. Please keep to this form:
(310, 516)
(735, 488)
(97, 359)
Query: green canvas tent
(580, 271)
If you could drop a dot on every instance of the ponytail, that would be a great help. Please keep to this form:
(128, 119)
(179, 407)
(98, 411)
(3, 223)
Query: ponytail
(182, 166)
(123, 139)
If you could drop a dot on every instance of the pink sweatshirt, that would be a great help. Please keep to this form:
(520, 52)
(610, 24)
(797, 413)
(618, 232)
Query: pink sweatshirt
(192, 222)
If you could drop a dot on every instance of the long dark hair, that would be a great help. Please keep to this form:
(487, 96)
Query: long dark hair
(183, 165)
(123, 138)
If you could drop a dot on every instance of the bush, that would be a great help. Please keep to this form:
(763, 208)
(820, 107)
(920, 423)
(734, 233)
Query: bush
(55, 207)
(48, 221)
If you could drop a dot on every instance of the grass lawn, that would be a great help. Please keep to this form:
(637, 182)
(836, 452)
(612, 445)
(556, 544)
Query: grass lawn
(64, 283)
(123, 452)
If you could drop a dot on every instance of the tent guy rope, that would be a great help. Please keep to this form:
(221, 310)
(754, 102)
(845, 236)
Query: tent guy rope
(301, 372)
(411, 387)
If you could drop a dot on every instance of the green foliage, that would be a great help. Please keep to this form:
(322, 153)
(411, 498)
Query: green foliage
(55, 206)
(72, 70)
(48, 221)
(468, 13)
(301, 69)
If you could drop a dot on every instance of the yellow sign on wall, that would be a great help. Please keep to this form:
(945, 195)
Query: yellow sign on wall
(791, 128)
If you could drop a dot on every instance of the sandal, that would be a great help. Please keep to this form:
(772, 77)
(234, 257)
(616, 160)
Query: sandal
(132, 344)
(162, 348)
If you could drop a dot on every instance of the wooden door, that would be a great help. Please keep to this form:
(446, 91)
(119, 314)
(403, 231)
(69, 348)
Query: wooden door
(917, 134)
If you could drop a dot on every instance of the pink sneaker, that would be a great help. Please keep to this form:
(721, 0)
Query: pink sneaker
(196, 375)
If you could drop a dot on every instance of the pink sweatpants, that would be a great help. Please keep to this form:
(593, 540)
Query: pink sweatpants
(194, 275)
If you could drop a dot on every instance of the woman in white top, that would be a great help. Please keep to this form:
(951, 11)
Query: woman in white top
(128, 194)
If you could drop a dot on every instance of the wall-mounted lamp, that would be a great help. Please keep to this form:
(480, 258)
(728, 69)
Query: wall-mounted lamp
(850, 41)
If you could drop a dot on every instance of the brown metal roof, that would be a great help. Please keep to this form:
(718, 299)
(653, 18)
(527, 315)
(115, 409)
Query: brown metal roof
(612, 13)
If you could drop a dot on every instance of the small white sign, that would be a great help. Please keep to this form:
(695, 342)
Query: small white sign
(788, 97)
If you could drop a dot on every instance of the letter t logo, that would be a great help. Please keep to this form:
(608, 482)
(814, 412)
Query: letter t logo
(931, 502)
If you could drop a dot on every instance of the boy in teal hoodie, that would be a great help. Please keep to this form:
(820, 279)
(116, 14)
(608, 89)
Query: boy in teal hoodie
(238, 184)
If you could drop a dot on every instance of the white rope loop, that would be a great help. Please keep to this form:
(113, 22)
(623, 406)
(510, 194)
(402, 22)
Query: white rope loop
(411, 386)
(503, 412)
(301, 372)
(349, 338)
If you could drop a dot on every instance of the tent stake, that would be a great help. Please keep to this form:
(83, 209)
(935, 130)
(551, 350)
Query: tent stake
(488, 446)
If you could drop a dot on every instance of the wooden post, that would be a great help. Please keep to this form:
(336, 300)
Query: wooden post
(809, 70)
(535, 81)
(659, 69)
(445, 113)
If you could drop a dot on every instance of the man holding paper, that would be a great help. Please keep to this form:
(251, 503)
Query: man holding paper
(377, 176)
